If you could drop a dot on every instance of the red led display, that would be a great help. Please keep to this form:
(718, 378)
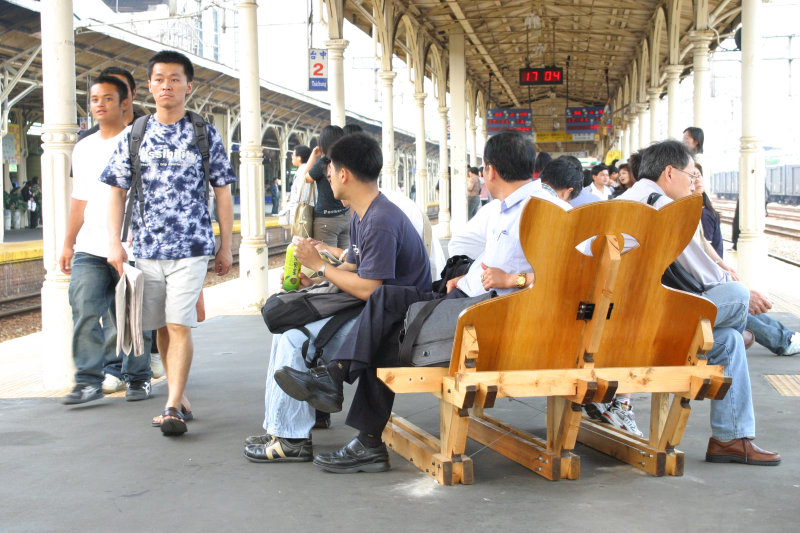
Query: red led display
(541, 76)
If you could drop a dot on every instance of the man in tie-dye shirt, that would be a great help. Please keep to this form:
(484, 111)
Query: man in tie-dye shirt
(172, 237)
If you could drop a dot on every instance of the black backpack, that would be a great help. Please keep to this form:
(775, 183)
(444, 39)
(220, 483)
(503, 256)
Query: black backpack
(135, 142)
(294, 309)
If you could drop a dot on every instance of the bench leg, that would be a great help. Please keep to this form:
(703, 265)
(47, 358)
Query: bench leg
(656, 455)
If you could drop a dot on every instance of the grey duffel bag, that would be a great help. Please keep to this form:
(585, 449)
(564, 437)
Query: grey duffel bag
(428, 330)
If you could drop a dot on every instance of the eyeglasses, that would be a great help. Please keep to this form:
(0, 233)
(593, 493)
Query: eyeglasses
(692, 177)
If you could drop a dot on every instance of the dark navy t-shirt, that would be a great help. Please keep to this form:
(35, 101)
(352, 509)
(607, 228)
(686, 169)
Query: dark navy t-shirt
(385, 245)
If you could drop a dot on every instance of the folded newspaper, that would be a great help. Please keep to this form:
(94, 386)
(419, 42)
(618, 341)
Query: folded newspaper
(129, 293)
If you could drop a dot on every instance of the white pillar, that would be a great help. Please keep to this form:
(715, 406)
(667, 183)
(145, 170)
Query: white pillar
(458, 133)
(673, 78)
(625, 142)
(701, 70)
(752, 246)
(644, 128)
(283, 141)
(253, 253)
(58, 137)
(422, 156)
(473, 144)
(336, 65)
(633, 139)
(444, 178)
(389, 176)
(652, 94)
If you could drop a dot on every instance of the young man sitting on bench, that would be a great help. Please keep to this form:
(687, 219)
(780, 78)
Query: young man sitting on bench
(371, 343)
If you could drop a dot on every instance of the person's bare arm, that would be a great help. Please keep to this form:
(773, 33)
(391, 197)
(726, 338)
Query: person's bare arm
(316, 153)
(224, 257)
(343, 277)
(116, 211)
(74, 224)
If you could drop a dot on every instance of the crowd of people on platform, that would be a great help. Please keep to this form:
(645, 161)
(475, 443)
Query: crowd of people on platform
(387, 260)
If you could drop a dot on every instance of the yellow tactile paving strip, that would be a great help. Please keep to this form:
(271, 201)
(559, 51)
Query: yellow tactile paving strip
(14, 252)
(786, 384)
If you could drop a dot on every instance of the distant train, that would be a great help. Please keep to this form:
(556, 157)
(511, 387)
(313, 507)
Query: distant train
(783, 184)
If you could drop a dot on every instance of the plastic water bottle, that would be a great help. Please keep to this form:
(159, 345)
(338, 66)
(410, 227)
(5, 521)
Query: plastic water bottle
(291, 270)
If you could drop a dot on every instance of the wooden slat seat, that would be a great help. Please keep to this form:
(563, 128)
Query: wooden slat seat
(591, 326)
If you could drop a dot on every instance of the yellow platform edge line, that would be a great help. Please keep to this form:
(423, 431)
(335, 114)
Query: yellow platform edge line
(16, 252)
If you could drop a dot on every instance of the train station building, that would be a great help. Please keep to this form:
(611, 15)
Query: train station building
(468, 62)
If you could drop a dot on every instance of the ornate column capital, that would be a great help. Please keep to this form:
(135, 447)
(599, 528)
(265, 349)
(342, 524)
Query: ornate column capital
(673, 72)
(387, 76)
(420, 98)
(653, 93)
(443, 111)
(336, 46)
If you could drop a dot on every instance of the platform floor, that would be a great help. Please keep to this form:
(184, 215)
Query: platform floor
(101, 466)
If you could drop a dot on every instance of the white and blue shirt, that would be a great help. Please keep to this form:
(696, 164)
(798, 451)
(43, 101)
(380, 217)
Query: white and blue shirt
(503, 248)
(176, 220)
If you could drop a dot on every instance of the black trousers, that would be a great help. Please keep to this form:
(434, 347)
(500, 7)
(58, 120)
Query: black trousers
(373, 343)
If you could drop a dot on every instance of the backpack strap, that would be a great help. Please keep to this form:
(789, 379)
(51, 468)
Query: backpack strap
(653, 198)
(134, 143)
(201, 139)
(327, 332)
(413, 329)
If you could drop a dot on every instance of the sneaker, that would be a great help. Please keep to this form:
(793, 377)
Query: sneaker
(620, 415)
(595, 410)
(794, 345)
(279, 450)
(82, 393)
(112, 384)
(155, 365)
(138, 390)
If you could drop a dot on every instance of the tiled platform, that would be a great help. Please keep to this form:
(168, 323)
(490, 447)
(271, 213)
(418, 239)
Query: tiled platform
(101, 466)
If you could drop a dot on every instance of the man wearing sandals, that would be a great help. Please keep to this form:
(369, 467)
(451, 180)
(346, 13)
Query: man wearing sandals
(172, 235)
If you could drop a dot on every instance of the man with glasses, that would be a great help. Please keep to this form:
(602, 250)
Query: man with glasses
(667, 173)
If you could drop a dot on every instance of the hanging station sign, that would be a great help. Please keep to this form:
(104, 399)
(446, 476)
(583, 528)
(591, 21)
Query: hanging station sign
(584, 119)
(317, 69)
(498, 120)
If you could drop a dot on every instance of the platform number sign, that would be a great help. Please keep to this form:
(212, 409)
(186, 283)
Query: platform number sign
(317, 69)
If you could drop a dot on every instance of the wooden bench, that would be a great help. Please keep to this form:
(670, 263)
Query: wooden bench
(589, 327)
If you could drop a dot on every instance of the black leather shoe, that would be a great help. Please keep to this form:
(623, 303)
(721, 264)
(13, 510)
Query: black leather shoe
(354, 457)
(314, 386)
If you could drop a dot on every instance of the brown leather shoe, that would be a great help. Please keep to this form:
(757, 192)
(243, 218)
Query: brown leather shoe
(740, 451)
(748, 338)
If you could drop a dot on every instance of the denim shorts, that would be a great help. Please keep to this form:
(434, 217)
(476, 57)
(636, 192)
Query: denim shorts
(171, 290)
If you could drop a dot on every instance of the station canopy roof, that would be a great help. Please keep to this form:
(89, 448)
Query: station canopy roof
(594, 41)
(217, 85)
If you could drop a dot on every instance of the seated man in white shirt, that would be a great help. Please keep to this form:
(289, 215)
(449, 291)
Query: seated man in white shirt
(599, 186)
(667, 173)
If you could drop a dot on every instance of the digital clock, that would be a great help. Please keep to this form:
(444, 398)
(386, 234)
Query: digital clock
(541, 76)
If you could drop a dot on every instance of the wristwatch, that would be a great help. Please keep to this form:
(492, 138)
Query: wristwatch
(522, 280)
(321, 271)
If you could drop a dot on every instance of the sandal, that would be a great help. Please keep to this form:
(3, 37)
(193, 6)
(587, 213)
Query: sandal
(172, 422)
(186, 415)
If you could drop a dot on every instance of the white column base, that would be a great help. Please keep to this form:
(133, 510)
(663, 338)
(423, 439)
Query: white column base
(752, 261)
(253, 273)
(58, 367)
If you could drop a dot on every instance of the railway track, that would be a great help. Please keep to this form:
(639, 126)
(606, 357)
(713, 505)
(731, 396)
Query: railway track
(770, 229)
(18, 305)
